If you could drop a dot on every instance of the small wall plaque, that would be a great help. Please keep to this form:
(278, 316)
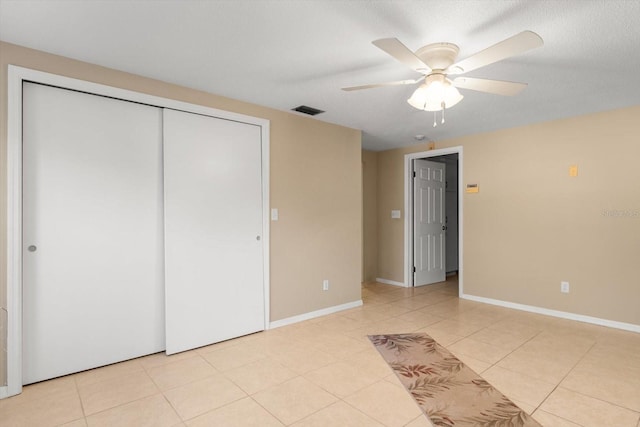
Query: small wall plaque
(472, 188)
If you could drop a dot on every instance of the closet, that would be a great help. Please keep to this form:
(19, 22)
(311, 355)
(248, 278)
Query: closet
(142, 230)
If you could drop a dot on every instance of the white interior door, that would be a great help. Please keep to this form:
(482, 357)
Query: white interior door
(93, 291)
(213, 228)
(429, 222)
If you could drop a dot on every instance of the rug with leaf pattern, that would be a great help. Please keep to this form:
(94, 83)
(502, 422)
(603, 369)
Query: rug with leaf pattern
(449, 392)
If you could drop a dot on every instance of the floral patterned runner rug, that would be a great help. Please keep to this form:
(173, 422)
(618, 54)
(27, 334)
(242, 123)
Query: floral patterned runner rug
(449, 392)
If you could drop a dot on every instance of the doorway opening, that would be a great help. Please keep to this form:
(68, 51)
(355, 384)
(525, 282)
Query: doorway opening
(452, 214)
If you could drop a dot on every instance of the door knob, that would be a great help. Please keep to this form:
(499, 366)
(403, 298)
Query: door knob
(32, 248)
(257, 237)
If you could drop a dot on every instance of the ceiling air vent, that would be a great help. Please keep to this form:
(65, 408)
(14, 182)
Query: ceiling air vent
(307, 110)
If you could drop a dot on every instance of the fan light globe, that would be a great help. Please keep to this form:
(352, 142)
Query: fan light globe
(437, 93)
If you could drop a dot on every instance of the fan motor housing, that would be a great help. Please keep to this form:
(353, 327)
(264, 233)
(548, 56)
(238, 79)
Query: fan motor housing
(438, 56)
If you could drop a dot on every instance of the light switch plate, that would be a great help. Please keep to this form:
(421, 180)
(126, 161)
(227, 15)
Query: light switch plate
(395, 214)
(274, 214)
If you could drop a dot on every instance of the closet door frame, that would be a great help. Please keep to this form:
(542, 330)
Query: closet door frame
(16, 76)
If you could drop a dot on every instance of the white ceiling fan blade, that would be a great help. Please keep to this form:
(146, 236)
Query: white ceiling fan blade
(497, 87)
(515, 45)
(396, 83)
(399, 51)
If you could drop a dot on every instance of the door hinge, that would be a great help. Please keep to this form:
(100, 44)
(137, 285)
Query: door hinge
(414, 268)
(414, 174)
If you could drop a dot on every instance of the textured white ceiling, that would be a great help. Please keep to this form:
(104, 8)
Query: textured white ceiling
(283, 54)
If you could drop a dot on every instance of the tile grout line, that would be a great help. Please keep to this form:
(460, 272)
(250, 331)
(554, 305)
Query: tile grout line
(75, 382)
(563, 378)
(271, 413)
(175, 410)
(514, 350)
(562, 418)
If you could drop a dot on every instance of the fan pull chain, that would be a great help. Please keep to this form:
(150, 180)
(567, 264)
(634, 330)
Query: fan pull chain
(443, 112)
(434, 120)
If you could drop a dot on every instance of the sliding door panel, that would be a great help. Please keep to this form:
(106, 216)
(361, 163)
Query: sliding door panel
(213, 228)
(92, 231)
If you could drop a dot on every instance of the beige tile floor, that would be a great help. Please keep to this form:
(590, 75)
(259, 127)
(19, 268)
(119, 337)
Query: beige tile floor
(324, 372)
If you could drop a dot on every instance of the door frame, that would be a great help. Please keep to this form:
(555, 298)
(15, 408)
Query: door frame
(408, 208)
(16, 76)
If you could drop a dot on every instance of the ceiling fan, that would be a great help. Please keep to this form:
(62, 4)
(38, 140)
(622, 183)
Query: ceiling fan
(436, 62)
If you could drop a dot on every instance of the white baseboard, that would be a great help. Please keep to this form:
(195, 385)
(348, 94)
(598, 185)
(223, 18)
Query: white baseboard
(390, 282)
(556, 313)
(314, 314)
(4, 392)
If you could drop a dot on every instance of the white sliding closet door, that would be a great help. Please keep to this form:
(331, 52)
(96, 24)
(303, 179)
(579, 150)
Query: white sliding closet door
(93, 290)
(213, 228)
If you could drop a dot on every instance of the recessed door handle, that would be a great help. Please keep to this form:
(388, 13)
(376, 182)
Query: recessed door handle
(32, 248)
(257, 237)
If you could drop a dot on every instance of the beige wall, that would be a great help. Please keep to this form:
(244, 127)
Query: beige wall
(370, 215)
(316, 183)
(391, 197)
(531, 225)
